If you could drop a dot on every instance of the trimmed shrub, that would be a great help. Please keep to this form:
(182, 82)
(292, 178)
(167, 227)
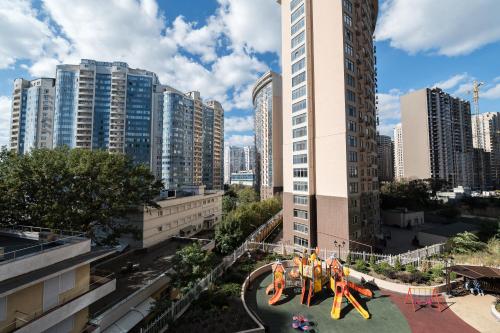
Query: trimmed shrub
(360, 266)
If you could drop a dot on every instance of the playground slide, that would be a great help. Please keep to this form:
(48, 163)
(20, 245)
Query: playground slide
(363, 291)
(357, 306)
(277, 295)
(269, 288)
(337, 302)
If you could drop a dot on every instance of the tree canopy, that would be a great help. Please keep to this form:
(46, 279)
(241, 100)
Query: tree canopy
(72, 188)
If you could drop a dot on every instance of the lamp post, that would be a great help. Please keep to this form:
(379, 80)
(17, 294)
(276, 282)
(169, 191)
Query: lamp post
(339, 244)
(249, 256)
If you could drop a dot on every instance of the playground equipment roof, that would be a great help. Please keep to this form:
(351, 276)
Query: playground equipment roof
(476, 272)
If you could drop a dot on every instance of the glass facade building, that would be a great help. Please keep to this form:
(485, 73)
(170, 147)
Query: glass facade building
(182, 151)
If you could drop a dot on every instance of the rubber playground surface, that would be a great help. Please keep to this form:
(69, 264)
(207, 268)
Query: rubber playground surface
(388, 313)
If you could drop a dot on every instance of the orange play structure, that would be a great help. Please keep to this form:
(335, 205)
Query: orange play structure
(341, 287)
(422, 296)
(314, 274)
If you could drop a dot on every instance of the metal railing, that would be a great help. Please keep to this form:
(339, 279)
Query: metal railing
(26, 318)
(160, 322)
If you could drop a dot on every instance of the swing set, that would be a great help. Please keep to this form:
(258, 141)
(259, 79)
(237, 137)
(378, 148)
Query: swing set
(422, 297)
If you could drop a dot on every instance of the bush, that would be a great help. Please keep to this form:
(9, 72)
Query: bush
(230, 289)
(464, 243)
(397, 265)
(360, 266)
(414, 277)
(410, 268)
(348, 260)
(384, 269)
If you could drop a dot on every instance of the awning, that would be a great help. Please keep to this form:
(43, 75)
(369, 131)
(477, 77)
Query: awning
(132, 318)
(476, 272)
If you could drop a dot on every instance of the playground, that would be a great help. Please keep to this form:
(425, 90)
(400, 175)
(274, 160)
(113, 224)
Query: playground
(313, 295)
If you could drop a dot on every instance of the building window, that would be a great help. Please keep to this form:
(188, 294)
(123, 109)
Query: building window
(300, 241)
(350, 80)
(294, 4)
(348, 34)
(298, 39)
(349, 65)
(351, 110)
(298, 52)
(347, 6)
(300, 173)
(296, 14)
(67, 281)
(353, 171)
(351, 125)
(301, 228)
(353, 156)
(353, 187)
(299, 132)
(299, 106)
(297, 26)
(298, 65)
(348, 50)
(300, 145)
(299, 92)
(353, 141)
(298, 79)
(301, 214)
(300, 200)
(351, 96)
(300, 119)
(300, 186)
(347, 20)
(300, 159)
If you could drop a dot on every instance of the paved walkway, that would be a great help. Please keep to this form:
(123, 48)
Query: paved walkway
(476, 311)
(427, 319)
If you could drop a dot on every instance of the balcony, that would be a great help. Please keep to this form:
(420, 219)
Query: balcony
(41, 321)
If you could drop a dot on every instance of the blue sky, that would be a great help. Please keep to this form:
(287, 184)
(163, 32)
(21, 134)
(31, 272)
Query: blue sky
(220, 47)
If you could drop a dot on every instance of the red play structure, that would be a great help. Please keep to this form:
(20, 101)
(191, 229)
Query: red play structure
(422, 296)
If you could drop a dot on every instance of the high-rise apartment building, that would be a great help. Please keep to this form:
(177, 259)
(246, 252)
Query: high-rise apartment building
(398, 152)
(268, 107)
(249, 152)
(437, 137)
(329, 122)
(486, 136)
(385, 158)
(104, 105)
(192, 141)
(32, 114)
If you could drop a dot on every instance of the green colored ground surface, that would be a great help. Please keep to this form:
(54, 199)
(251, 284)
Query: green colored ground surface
(385, 316)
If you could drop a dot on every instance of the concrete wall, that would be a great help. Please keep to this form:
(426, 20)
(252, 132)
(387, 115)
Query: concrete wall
(42, 259)
(426, 239)
(402, 219)
(158, 225)
(26, 304)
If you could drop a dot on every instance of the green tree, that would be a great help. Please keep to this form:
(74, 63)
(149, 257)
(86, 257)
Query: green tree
(247, 195)
(72, 188)
(464, 243)
(228, 203)
(190, 264)
(489, 229)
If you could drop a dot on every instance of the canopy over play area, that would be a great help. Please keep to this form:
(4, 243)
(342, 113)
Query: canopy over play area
(476, 272)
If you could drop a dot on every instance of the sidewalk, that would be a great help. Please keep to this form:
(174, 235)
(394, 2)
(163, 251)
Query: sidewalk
(475, 311)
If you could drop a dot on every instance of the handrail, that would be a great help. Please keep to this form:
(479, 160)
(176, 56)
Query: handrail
(66, 240)
(37, 314)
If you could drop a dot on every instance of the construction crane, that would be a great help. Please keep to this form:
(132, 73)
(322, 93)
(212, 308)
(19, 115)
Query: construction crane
(475, 98)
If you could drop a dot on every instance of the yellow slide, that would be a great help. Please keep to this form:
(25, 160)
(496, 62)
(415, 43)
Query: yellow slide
(357, 306)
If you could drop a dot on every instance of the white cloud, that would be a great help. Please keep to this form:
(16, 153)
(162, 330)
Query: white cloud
(5, 106)
(253, 25)
(22, 35)
(492, 92)
(240, 140)
(388, 104)
(238, 124)
(452, 81)
(448, 27)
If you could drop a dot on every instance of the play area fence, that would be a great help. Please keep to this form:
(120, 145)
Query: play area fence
(160, 322)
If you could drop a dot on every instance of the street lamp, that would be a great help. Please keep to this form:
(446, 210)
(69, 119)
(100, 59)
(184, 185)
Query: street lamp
(339, 244)
(249, 256)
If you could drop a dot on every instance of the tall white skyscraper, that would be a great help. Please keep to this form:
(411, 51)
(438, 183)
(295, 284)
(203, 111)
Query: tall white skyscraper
(398, 152)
